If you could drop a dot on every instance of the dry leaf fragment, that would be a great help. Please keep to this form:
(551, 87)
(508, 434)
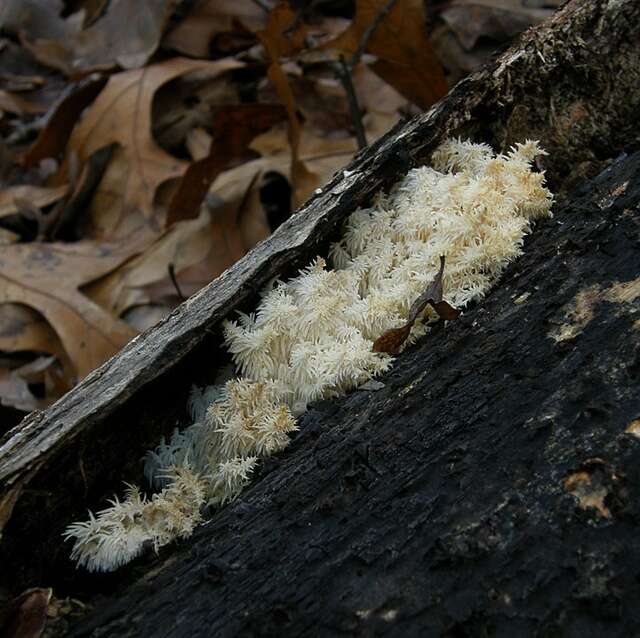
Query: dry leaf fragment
(23, 329)
(392, 340)
(15, 103)
(26, 615)
(406, 59)
(61, 119)
(47, 277)
(127, 33)
(121, 114)
(39, 196)
(68, 209)
(499, 20)
(211, 18)
(233, 129)
(279, 41)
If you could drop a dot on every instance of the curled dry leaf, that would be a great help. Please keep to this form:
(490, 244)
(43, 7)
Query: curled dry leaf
(499, 20)
(198, 249)
(392, 340)
(121, 114)
(15, 384)
(72, 206)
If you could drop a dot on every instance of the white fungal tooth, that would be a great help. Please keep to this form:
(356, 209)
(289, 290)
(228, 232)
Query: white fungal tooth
(311, 337)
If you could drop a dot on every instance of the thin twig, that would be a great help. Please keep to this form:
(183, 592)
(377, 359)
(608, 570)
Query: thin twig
(369, 31)
(344, 75)
(344, 71)
(174, 281)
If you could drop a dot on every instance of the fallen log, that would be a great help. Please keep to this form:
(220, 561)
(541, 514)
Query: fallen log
(572, 83)
(490, 487)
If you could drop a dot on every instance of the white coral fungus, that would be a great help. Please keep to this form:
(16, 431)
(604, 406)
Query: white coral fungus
(311, 337)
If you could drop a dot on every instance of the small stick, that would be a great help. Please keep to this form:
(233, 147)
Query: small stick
(174, 281)
(344, 75)
(344, 72)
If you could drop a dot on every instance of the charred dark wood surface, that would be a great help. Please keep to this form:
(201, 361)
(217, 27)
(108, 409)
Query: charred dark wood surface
(490, 488)
(573, 83)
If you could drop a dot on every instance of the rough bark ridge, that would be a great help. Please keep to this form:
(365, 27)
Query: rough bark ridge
(573, 83)
(491, 488)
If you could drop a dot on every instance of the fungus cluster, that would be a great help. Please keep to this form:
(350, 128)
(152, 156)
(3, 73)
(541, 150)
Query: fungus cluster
(311, 337)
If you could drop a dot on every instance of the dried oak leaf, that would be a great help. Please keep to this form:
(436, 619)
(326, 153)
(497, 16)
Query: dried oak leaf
(406, 59)
(392, 340)
(121, 114)
(47, 277)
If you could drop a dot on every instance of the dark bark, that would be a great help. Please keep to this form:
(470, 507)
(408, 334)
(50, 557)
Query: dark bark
(489, 489)
(573, 83)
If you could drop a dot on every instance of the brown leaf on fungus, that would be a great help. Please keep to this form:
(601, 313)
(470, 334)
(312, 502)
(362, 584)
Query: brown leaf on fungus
(121, 115)
(392, 340)
(406, 59)
(233, 129)
(47, 277)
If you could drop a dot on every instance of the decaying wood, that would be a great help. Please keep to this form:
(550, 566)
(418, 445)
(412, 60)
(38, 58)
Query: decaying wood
(490, 488)
(572, 83)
